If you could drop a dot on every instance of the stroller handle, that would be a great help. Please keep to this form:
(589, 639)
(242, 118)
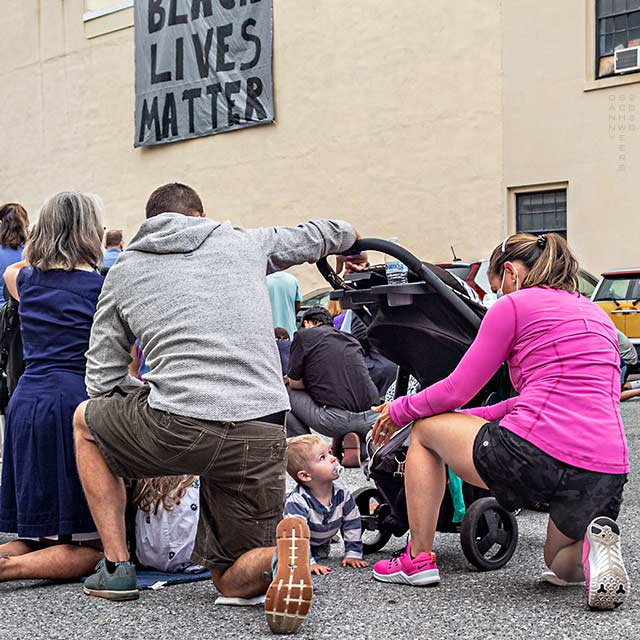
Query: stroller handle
(413, 263)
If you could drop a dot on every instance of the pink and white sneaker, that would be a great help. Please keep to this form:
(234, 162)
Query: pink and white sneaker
(606, 578)
(401, 568)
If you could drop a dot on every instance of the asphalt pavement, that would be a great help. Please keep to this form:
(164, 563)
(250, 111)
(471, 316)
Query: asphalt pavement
(511, 603)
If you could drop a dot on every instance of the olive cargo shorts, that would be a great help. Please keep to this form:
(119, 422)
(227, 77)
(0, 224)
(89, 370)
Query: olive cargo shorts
(241, 467)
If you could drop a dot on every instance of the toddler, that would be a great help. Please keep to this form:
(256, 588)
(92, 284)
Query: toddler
(323, 501)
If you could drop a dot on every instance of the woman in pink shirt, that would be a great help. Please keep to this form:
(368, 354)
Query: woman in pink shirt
(560, 441)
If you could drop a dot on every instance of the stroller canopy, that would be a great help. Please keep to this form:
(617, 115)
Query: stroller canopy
(429, 337)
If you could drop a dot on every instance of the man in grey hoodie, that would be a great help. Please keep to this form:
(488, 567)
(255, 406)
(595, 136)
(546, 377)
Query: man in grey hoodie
(194, 292)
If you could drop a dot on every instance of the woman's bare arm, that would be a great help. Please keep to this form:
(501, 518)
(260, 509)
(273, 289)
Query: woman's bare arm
(11, 278)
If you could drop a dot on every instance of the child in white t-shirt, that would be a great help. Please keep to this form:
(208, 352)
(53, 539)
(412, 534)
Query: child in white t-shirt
(166, 522)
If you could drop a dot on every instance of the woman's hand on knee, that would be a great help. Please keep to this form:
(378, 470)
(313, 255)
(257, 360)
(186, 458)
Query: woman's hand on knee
(384, 427)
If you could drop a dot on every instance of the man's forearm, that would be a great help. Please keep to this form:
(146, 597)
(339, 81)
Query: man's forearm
(308, 242)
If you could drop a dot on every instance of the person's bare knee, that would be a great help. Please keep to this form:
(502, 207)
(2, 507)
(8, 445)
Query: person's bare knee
(563, 555)
(247, 577)
(423, 430)
(218, 581)
(429, 432)
(450, 436)
(549, 553)
(225, 584)
(80, 430)
(222, 581)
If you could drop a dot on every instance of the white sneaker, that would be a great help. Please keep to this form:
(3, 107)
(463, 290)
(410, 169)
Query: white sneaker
(550, 577)
(606, 577)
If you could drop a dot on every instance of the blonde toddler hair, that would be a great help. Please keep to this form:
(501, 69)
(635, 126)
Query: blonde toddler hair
(299, 450)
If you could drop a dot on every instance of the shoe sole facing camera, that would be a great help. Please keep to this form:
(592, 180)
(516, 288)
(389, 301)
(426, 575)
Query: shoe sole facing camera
(606, 576)
(420, 579)
(113, 596)
(351, 451)
(289, 595)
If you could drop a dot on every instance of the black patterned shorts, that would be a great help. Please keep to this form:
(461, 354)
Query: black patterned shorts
(519, 474)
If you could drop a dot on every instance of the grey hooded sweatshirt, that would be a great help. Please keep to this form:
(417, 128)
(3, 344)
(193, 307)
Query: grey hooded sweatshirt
(194, 292)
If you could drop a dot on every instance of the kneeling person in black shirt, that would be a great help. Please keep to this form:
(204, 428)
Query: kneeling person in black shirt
(330, 388)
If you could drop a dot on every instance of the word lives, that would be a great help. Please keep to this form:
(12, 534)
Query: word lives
(202, 67)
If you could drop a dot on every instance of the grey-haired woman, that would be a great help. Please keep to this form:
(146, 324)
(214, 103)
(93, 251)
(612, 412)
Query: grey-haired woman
(41, 498)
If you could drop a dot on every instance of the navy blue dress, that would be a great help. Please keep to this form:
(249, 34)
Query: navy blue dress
(41, 493)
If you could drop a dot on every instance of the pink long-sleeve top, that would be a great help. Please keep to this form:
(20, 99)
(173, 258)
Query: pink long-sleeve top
(563, 359)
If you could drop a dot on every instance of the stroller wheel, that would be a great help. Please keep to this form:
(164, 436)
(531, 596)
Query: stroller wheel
(373, 510)
(488, 535)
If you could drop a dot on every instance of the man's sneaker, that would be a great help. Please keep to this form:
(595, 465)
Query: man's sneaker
(288, 598)
(606, 578)
(402, 568)
(122, 584)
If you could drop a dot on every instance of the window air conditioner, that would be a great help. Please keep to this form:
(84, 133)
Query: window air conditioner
(626, 60)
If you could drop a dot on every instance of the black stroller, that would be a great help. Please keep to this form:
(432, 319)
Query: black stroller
(424, 326)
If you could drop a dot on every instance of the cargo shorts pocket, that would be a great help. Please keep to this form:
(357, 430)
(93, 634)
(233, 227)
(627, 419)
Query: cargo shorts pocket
(173, 442)
(264, 477)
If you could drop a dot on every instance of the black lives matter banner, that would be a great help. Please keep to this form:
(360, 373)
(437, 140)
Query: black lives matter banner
(202, 67)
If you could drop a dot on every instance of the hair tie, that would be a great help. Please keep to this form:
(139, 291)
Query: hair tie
(542, 241)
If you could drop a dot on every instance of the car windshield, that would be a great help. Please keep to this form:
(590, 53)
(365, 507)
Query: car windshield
(461, 271)
(587, 283)
(317, 299)
(623, 288)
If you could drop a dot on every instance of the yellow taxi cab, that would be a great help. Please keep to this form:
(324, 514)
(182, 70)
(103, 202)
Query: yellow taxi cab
(618, 293)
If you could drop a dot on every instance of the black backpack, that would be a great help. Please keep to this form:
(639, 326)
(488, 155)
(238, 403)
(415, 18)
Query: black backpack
(11, 356)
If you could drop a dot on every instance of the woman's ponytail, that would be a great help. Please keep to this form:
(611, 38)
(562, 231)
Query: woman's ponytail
(547, 257)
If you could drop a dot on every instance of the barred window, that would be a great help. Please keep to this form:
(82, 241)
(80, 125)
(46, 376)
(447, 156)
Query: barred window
(542, 212)
(617, 26)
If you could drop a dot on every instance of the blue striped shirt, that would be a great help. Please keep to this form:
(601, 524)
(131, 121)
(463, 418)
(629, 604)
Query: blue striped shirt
(324, 522)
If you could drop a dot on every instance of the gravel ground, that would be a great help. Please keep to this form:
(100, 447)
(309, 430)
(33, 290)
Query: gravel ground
(511, 603)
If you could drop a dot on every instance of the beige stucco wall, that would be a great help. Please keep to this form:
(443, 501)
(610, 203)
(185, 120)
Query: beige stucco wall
(388, 114)
(555, 130)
